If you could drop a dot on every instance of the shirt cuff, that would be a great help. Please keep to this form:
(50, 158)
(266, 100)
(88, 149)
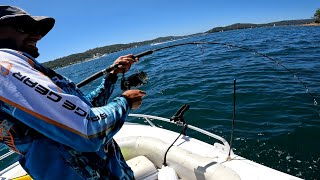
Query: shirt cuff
(112, 78)
(128, 100)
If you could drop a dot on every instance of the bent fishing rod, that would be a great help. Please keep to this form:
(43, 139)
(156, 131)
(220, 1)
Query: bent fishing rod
(148, 52)
(139, 55)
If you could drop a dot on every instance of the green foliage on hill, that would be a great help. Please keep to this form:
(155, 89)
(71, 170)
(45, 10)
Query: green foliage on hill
(316, 16)
(89, 54)
(248, 25)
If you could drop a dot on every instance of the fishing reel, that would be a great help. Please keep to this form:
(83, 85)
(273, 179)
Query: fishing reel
(135, 80)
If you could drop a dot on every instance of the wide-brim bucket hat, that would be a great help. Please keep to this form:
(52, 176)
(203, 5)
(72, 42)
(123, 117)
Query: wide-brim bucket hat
(12, 14)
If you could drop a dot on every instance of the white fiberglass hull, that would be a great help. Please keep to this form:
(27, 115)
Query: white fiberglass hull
(190, 158)
(144, 148)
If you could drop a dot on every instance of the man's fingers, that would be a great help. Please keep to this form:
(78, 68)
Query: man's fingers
(130, 59)
(139, 92)
(136, 103)
(133, 93)
(142, 92)
(135, 97)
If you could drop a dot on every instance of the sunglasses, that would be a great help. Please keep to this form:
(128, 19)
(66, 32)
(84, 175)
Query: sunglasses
(25, 27)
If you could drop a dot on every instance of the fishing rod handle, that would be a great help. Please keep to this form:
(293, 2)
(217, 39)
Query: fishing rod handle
(178, 116)
(184, 109)
(139, 55)
(96, 76)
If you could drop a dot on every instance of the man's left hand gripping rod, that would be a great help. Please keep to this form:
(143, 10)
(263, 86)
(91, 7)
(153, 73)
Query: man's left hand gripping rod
(108, 69)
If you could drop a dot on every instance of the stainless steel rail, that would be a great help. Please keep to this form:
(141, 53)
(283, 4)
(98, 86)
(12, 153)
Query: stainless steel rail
(150, 118)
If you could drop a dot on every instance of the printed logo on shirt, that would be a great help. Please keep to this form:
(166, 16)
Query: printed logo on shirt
(50, 95)
(5, 67)
(57, 98)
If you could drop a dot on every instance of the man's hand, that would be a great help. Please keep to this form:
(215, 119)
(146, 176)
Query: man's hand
(134, 97)
(125, 63)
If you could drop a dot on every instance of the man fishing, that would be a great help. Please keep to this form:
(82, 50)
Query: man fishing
(57, 131)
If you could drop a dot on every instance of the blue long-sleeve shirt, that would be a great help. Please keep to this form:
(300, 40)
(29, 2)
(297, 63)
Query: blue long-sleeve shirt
(59, 120)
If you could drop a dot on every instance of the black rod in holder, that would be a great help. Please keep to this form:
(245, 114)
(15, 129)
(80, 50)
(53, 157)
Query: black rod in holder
(233, 117)
(178, 116)
(109, 69)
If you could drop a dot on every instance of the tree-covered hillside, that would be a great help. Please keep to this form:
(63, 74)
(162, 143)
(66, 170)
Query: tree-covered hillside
(89, 54)
(248, 25)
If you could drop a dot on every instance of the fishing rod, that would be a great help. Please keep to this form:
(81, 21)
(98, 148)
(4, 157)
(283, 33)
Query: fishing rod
(148, 52)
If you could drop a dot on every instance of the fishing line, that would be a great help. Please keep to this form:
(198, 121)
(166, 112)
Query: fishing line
(199, 43)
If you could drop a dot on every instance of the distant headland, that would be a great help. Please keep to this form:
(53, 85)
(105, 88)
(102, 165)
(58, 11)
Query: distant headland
(99, 51)
(311, 24)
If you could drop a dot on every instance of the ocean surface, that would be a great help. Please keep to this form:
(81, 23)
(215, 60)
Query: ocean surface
(277, 121)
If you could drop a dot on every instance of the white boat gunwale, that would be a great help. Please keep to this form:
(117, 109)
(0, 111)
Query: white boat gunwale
(212, 158)
(149, 118)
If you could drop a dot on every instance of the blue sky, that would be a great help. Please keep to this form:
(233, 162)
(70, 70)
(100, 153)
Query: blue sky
(82, 25)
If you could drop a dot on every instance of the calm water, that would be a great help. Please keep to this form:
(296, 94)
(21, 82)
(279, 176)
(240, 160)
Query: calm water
(277, 123)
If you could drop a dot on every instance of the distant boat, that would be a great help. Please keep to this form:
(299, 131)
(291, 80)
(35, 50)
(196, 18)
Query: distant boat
(274, 25)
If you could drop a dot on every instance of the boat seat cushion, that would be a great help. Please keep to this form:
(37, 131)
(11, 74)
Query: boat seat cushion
(143, 168)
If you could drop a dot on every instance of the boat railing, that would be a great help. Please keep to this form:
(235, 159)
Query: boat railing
(150, 118)
(6, 155)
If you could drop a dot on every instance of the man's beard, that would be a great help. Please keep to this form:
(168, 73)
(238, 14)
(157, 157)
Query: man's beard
(11, 44)
(31, 50)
